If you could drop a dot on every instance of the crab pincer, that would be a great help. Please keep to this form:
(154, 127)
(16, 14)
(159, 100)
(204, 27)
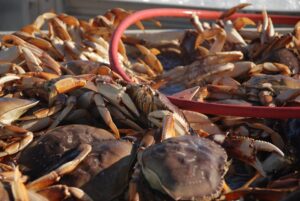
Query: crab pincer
(245, 149)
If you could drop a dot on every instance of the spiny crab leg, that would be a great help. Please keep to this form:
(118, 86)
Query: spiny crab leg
(246, 149)
(55, 175)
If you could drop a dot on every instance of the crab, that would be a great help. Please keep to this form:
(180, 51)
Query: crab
(13, 185)
(190, 167)
(107, 166)
(13, 138)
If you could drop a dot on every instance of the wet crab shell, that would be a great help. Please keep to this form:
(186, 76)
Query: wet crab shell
(56, 144)
(107, 167)
(185, 168)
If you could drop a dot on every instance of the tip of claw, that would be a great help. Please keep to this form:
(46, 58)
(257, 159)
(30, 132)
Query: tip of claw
(266, 146)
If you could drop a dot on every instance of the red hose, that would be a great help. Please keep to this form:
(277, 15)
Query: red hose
(207, 108)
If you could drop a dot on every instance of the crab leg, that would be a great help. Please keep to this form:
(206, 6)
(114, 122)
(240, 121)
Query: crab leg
(13, 108)
(217, 32)
(61, 192)
(17, 146)
(187, 94)
(120, 117)
(105, 114)
(245, 149)
(117, 95)
(18, 188)
(42, 113)
(79, 194)
(259, 193)
(14, 147)
(55, 175)
(150, 59)
(232, 35)
(36, 124)
(33, 62)
(71, 102)
(200, 123)
(158, 119)
(168, 130)
(8, 78)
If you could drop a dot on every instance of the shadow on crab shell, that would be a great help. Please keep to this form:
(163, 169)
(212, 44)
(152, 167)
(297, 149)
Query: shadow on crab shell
(113, 186)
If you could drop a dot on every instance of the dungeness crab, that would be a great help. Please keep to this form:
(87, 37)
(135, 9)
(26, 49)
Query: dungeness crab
(191, 167)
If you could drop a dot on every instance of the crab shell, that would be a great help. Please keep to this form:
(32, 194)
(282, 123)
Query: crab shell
(185, 167)
(103, 174)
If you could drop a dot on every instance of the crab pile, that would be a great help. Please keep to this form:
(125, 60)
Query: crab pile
(72, 129)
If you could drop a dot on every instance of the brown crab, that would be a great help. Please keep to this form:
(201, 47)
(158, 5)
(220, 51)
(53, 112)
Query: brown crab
(106, 167)
(13, 185)
(190, 167)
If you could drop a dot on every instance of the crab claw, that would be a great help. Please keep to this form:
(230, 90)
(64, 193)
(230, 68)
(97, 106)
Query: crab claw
(246, 149)
(65, 85)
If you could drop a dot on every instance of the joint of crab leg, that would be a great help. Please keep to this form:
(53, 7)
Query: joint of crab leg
(246, 149)
(55, 175)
